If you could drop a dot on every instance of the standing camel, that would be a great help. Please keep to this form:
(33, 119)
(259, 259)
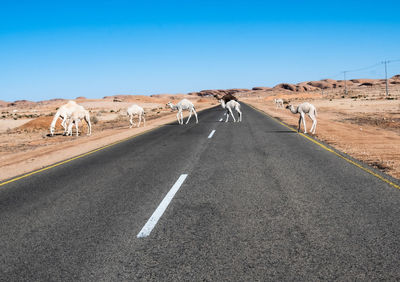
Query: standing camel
(77, 115)
(278, 103)
(184, 104)
(64, 112)
(232, 104)
(136, 110)
(302, 109)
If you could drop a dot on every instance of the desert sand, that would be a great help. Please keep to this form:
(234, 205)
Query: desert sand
(26, 144)
(362, 121)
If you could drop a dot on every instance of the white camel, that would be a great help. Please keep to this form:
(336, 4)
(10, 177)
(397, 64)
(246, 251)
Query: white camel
(184, 104)
(302, 109)
(64, 112)
(77, 115)
(136, 110)
(278, 103)
(232, 104)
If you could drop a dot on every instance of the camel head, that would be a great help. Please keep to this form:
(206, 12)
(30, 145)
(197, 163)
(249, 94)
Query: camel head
(218, 97)
(169, 105)
(292, 108)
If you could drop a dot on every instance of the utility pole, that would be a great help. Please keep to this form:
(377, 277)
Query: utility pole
(345, 84)
(387, 88)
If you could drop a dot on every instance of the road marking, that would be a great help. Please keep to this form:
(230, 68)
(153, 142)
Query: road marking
(211, 134)
(330, 150)
(148, 227)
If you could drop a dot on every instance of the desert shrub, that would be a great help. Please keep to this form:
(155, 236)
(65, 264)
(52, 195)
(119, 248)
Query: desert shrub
(95, 120)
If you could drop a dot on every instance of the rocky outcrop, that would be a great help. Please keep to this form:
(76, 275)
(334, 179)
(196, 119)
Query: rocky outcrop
(22, 103)
(218, 92)
(286, 86)
(261, 88)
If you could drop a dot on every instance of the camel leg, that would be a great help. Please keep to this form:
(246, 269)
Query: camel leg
(227, 116)
(181, 117)
(178, 118)
(195, 114)
(63, 124)
(190, 115)
(314, 124)
(140, 119)
(76, 128)
(240, 114)
(298, 128)
(234, 119)
(131, 121)
(69, 131)
(87, 118)
(304, 122)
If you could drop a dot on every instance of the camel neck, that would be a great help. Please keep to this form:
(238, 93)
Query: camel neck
(293, 110)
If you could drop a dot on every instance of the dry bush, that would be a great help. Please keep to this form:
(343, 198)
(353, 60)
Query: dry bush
(95, 120)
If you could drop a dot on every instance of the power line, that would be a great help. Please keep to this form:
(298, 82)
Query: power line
(386, 62)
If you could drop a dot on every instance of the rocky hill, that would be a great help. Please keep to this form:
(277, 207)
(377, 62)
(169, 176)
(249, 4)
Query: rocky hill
(306, 86)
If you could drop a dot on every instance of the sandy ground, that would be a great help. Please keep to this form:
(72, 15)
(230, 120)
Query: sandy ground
(26, 144)
(364, 124)
(7, 125)
(368, 130)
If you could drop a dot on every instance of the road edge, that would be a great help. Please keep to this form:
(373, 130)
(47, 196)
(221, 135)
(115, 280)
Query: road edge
(365, 167)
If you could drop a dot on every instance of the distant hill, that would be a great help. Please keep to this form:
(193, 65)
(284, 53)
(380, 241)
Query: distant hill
(306, 86)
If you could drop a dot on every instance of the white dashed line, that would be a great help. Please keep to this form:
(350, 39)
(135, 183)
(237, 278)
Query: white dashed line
(148, 227)
(211, 134)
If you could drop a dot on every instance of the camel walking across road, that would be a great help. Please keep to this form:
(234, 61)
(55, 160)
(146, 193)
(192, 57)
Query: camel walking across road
(184, 104)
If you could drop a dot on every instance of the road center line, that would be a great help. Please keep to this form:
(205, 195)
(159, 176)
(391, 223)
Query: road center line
(148, 227)
(211, 134)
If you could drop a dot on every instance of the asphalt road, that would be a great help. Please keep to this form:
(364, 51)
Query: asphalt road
(260, 202)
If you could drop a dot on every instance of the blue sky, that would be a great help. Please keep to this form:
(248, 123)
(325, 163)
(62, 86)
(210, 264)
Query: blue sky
(66, 49)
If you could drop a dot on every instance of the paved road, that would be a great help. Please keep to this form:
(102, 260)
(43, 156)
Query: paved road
(260, 202)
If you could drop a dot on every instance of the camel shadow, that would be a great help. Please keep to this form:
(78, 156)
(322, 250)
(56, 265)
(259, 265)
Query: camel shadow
(55, 134)
(280, 131)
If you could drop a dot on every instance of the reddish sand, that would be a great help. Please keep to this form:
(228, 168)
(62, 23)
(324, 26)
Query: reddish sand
(363, 123)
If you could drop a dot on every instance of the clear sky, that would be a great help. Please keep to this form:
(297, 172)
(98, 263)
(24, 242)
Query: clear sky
(66, 49)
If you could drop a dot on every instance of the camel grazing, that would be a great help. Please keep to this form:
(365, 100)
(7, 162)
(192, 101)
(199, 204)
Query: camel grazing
(184, 104)
(77, 115)
(232, 104)
(278, 103)
(136, 110)
(302, 109)
(64, 112)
